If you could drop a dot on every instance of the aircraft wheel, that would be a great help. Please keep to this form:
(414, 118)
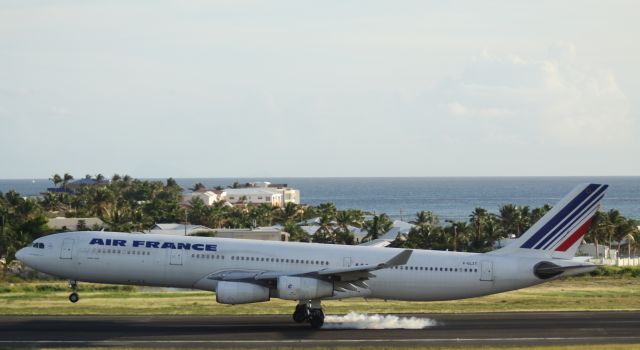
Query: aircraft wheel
(300, 314)
(73, 297)
(316, 318)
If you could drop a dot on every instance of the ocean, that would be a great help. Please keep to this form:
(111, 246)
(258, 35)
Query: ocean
(451, 198)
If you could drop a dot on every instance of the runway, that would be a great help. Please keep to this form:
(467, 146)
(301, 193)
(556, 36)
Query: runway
(544, 328)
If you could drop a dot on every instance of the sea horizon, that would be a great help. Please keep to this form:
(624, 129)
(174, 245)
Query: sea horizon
(451, 198)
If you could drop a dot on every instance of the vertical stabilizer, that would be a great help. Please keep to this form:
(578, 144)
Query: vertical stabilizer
(559, 233)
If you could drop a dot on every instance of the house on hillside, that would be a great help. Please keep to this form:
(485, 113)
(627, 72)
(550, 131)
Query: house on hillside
(75, 224)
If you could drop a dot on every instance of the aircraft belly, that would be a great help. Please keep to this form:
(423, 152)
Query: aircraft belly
(407, 286)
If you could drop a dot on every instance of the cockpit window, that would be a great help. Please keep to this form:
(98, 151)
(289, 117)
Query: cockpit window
(38, 245)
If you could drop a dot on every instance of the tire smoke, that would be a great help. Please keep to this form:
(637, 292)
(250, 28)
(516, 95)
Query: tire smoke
(355, 320)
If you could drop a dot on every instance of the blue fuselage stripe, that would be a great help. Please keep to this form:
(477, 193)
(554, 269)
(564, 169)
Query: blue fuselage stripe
(542, 232)
(579, 215)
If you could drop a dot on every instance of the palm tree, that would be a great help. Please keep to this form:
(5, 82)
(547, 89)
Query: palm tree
(327, 209)
(426, 218)
(324, 233)
(56, 179)
(597, 229)
(66, 179)
(479, 218)
(378, 225)
(457, 231)
(514, 219)
(296, 233)
(102, 200)
(290, 212)
(625, 229)
(538, 213)
(197, 187)
(613, 220)
(50, 201)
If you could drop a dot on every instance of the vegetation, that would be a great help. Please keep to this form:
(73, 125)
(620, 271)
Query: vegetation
(573, 294)
(126, 204)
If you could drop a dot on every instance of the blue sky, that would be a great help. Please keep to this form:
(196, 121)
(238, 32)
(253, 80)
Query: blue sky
(324, 88)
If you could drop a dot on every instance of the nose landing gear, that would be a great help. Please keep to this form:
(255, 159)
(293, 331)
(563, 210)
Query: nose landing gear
(73, 297)
(309, 311)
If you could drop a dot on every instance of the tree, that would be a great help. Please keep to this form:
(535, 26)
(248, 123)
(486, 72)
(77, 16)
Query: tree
(56, 179)
(538, 213)
(378, 225)
(613, 220)
(50, 201)
(479, 219)
(296, 233)
(171, 182)
(197, 187)
(597, 230)
(514, 219)
(426, 217)
(344, 220)
(324, 233)
(66, 179)
(457, 232)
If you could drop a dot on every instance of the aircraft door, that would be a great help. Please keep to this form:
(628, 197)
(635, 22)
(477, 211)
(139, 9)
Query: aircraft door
(67, 248)
(176, 257)
(486, 271)
(346, 261)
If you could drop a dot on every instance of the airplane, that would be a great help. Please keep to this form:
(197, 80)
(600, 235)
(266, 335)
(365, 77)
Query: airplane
(248, 271)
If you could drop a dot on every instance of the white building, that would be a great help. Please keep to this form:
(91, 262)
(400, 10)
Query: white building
(178, 229)
(289, 195)
(589, 249)
(74, 224)
(255, 195)
(263, 234)
(208, 197)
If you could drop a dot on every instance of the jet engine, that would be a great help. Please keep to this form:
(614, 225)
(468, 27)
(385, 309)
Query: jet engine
(240, 293)
(303, 288)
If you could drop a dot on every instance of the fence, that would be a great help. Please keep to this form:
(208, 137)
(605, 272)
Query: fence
(617, 262)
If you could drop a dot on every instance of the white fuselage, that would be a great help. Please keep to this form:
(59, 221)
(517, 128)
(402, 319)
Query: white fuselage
(163, 260)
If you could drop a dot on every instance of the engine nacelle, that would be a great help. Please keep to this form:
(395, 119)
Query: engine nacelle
(240, 293)
(303, 288)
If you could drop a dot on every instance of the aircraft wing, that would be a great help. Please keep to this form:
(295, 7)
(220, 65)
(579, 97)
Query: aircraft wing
(352, 273)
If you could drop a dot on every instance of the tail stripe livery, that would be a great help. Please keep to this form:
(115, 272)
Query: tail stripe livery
(586, 213)
(546, 230)
(574, 237)
(577, 215)
(558, 233)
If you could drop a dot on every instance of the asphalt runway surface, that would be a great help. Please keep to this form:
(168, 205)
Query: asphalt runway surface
(544, 328)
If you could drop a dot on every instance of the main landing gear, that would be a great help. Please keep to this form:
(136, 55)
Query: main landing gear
(73, 297)
(309, 311)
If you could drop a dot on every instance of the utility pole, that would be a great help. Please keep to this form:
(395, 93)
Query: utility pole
(185, 221)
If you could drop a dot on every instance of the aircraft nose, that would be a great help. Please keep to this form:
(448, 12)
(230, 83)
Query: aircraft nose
(21, 254)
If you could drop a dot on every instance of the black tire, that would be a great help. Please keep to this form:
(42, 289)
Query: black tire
(316, 318)
(74, 297)
(298, 317)
(300, 314)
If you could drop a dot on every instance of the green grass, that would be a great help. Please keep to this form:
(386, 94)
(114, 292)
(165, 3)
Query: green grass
(50, 298)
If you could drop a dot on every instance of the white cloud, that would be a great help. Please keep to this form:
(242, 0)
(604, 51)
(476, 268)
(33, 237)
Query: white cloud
(560, 99)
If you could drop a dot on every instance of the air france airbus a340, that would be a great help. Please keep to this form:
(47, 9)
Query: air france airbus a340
(246, 271)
